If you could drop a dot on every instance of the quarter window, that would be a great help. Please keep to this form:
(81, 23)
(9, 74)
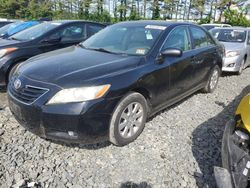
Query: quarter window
(179, 39)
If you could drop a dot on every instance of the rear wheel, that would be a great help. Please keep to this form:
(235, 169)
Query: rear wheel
(128, 119)
(213, 80)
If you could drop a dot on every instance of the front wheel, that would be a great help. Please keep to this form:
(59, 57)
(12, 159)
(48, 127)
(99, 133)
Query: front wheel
(213, 80)
(128, 119)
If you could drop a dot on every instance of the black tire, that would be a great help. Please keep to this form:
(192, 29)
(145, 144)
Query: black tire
(12, 70)
(115, 135)
(211, 86)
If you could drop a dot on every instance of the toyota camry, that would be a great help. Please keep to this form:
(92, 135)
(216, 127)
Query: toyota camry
(106, 87)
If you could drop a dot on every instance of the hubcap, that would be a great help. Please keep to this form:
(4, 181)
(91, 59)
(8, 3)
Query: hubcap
(131, 120)
(214, 79)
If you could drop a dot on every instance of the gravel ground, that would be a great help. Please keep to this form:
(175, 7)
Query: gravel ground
(178, 148)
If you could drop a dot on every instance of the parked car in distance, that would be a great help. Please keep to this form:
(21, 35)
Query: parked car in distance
(13, 28)
(212, 26)
(3, 23)
(44, 37)
(106, 87)
(4, 29)
(237, 48)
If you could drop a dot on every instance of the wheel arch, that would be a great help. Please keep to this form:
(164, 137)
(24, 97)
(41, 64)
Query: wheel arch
(245, 57)
(145, 93)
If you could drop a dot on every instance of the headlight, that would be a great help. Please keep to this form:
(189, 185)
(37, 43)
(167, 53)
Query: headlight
(79, 94)
(5, 51)
(232, 53)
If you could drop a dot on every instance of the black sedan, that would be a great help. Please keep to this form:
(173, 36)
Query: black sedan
(106, 87)
(45, 37)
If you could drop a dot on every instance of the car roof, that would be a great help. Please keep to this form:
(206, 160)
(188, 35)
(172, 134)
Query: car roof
(154, 22)
(73, 21)
(234, 28)
(215, 24)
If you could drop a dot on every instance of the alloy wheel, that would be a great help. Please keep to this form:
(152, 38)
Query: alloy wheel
(131, 120)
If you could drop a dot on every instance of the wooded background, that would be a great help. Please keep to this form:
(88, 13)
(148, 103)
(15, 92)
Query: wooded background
(203, 11)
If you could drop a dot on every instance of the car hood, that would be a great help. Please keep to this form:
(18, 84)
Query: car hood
(233, 46)
(5, 43)
(74, 65)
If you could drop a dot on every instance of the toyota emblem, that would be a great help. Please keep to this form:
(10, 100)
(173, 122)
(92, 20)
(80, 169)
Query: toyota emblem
(17, 84)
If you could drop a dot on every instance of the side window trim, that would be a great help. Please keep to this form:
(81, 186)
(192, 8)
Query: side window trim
(188, 33)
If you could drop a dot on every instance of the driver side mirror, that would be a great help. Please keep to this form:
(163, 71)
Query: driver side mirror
(169, 52)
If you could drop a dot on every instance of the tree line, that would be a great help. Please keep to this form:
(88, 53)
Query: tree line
(204, 11)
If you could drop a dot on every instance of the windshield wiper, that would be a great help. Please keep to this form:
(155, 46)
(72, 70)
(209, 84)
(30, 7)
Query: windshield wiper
(96, 49)
(106, 51)
(101, 50)
(81, 45)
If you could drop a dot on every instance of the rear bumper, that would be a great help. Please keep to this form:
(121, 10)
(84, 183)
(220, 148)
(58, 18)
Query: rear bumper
(234, 158)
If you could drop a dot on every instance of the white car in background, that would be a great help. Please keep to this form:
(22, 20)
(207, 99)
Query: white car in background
(212, 26)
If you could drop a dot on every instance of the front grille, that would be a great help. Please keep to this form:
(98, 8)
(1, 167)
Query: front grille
(27, 94)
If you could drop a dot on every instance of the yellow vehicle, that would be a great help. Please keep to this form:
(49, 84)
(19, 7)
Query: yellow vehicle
(236, 149)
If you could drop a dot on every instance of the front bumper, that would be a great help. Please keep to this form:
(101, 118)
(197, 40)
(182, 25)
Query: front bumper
(234, 159)
(232, 64)
(86, 122)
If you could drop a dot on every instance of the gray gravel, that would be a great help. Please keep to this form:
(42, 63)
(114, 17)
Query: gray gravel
(178, 148)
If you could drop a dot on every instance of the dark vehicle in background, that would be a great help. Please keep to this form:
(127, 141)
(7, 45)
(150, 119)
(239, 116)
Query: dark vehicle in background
(106, 87)
(212, 26)
(237, 48)
(3, 23)
(44, 37)
(13, 28)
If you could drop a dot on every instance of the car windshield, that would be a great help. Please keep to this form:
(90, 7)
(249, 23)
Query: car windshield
(6, 28)
(120, 39)
(35, 31)
(229, 35)
(21, 27)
